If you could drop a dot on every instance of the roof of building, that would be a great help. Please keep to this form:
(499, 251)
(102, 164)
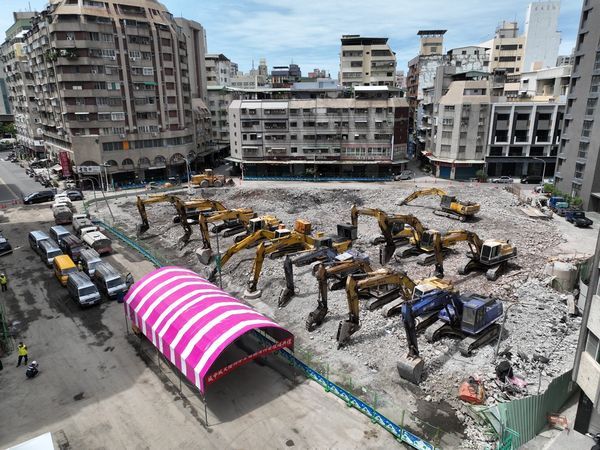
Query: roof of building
(192, 322)
(356, 39)
(431, 32)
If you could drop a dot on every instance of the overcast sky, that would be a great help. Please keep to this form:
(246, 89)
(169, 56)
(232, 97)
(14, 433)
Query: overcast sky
(308, 33)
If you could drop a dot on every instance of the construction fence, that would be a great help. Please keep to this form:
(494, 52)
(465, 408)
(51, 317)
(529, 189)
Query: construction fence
(519, 421)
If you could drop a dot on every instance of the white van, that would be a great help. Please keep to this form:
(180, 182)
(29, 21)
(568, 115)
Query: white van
(82, 290)
(98, 241)
(48, 250)
(109, 280)
(89, 260)
(35, 237)
(58, 232)
(62, 214)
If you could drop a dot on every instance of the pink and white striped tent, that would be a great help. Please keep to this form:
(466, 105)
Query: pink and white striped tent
(192, 322)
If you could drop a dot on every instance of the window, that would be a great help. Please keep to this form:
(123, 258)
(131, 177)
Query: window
(446, 148)
(446, 134)
(583, 149)
(591, 106)
(595, 86)
(113, 86)
(449, 108)
(147, 71)
(587, 128)
(448, 122)
(117, 116)
(579, 169)
(103, 116)
(462, 149)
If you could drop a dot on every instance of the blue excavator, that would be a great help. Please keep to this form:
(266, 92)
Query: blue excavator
(471, 318)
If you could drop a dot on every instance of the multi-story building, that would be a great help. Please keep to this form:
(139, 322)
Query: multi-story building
(542, 35)
(366, 61)
(318, 73)
(219, 99)
(263, 72)
(360, 137)
(245, 81)
(586, 366)
(285, 76)
(218, 69)
(20, 86)
(578, 170)
(400, 79)
(565, 60)
(525, 128)
(421, 76)
(507, 49)
(460, 128)
(113, 86)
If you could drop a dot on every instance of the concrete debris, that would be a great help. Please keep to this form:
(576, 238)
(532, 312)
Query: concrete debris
(540, 333)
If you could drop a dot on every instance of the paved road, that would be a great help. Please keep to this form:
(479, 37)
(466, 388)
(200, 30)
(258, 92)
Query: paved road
(95, 389)
(14, 183)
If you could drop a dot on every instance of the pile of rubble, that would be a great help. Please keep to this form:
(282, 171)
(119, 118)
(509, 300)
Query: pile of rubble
(540, 336)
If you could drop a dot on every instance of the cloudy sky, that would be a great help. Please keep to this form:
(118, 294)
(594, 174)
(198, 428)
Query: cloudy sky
(308, 33)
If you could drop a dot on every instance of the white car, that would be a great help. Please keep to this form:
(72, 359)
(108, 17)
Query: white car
(503, 179)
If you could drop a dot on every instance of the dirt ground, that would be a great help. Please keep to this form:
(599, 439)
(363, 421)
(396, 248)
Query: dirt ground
(367, 364)
(94, 390)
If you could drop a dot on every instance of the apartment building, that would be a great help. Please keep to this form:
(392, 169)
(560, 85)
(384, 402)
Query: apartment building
(285, 76)
(19, 86)
(113, 87)
(460, 129)
(218, 69)
(366, 61)
(525, 127)
(360, 137)
(507, 49)
(578, 170)
(219, 99)
(586, 366)
(542, 35)
(421, 77)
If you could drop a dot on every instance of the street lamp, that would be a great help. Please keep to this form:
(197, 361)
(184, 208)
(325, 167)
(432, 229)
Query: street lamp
(105, 165)
(543, 170)
(92, 180)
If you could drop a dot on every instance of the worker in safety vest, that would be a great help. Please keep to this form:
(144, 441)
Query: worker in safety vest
(22, 349)
(3, 282)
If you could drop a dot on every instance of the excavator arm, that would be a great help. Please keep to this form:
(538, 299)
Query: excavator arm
(411, 366)
(243, 215)
(323, 273)
(286, 243)
(301, 259)
(373, 279)
(182, 213)
(141, 206)
(422, 193)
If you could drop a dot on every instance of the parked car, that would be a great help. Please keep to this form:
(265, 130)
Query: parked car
(38, 197)
(405, 175)
(5, 247)
(561, 208)
(74, 194)
(579, 219)
(503, 179)
(531, 179)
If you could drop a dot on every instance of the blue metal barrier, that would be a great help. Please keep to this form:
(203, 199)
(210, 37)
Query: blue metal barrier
(397, 431)
(318, 179)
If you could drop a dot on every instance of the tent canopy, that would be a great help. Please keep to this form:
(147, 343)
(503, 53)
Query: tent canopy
(192, 322)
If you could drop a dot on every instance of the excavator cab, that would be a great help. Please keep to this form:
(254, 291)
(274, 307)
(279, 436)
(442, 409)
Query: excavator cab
(447, 201)
(428, 240)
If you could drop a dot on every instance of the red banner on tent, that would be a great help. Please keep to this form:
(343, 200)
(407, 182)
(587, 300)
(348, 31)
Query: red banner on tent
(289, 342)
(65, 163)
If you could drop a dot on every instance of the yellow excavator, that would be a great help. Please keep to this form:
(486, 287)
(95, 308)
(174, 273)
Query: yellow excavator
(182, 207)
(390, 286)
(209, 179)
(299, 239)
(491, 255)
(395, 228)
(231, 218)
(266, 222)
(450, 206)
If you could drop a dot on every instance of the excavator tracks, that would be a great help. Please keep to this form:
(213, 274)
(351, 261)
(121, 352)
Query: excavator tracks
(470, 343)
(451, 215)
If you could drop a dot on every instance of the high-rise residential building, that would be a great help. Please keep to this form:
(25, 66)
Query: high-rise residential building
(400, 79)
(542, 35)
(218, 69)
(586, 366)
(507, 49)
(113, 86)
(19, 85)
(320, 133)
(578, 170)
(366, 61)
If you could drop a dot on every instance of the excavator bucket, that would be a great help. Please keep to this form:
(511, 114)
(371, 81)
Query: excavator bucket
(385, 253)
(315, 318)
(345, 330)
(141, 228)
(284, 297)
(411, 369)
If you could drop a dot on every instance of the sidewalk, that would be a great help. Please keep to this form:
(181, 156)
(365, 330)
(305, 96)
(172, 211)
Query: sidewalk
(554, 439)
